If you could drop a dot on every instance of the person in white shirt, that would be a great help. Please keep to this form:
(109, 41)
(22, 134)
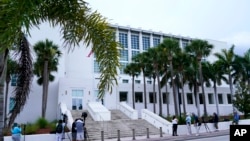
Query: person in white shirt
(175, 125)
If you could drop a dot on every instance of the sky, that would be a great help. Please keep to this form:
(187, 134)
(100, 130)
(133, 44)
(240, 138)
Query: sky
(223, 20)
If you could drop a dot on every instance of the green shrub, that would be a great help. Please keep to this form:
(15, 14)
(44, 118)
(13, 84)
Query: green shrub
(31, 128)
(42, 123)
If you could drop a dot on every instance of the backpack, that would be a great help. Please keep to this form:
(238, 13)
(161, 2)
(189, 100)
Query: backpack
(59, 128)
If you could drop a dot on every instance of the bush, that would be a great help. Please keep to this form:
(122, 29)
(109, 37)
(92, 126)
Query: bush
(42, 123)
(31, 128)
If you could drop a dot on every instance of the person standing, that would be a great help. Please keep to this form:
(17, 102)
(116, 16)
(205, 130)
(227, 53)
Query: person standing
(73, 130)
(16, 132)
(216, 120)
(59, 130)
(236, 118)
(188, 124)
(175, 125)
(79, 130)
(196, 123)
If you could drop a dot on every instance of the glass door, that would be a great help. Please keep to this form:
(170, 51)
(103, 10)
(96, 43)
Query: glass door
(77, 99)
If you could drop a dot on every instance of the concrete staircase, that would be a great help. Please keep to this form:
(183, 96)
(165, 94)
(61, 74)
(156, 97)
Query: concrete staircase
(119, 121)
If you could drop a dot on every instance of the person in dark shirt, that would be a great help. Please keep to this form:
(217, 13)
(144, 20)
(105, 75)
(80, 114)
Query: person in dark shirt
(73, 130)
(216, 120)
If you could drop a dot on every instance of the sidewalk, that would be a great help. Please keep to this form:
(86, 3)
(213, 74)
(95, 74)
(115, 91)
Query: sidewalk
(174, 138)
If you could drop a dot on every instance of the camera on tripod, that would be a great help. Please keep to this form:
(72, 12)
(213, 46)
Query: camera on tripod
(84, 115)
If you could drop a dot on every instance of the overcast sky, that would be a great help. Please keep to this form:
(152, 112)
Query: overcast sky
(223, 20)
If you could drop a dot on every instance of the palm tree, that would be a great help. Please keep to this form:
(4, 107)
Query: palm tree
(226, 59)
(133, 70)
(47, 61)
(171, 47)
(200, 49)
(11, 70)
(213, 72)
(77, 23)
(141, 59)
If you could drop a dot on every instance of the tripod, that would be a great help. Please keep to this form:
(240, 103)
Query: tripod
(206, 127)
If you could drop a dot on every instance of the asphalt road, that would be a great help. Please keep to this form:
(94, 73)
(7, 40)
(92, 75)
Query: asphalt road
(218, 138)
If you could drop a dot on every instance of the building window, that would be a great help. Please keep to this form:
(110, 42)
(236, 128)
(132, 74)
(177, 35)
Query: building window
(184, 43)
(122, 67)
(138, 97)
(189, 98)
(96, 67)
(124, 80)
(229, 99)
(135, 52)
(123, 55)
(145, 42)
(156, 41)
(123, 39)
(149, 82)
(210, 98)
(96, 93)
(137, 81)
(165, 98)
(123, 96)
(201, 99)
(77, 96)
(220, 98)
(14, 80)
(151, 98)
(135, 41)
(11, 104)
(180, 98)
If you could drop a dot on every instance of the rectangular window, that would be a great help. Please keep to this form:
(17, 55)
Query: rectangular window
(165, 98)
(149, 82)
(138, 97)
(151, 98)
(145, 42)
(11, 104)
(229, 99)
(14, 80)
(124, 55)
(184, 43)
(123, 39)
(77, 93)
(123, 96)
(211, 98)
(135, 41)
(124, 80)
(189, 98)
(96, 67)
(137, 81)
(220, 98)
(201, 99)
(135, 52)
(122, 67)
(77, 96)
(156, 41)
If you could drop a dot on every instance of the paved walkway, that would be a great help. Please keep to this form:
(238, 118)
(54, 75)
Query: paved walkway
(174, 138)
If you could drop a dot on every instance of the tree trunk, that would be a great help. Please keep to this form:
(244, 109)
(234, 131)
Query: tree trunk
(231, 88)
(6, 100)
(160, 95)
(197, 100)
(183, 96)
(45, 89)
(174, 90)
(133, 92)
(216, 99)
(145, 93)
(167, 97)
(3, 62)
(202, 88)
(154, 95)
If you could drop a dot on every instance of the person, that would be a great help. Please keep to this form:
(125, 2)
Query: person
(188, 123)
(59, 130)
(236, 118)
(79, 130)
(73, 130)
(16, 132)
(196, 123)
(216, 120)
(175, 125)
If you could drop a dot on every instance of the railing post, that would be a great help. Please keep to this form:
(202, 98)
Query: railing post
(118, 135)
(133, 130)
(102, 135)
(160, 131)
(147, 133)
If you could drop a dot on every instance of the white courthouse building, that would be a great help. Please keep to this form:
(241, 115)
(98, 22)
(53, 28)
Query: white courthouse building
(77, 78)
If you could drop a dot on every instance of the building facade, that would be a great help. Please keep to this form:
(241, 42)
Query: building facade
(78, 76)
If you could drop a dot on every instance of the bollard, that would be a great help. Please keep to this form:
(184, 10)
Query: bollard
(102, 135)
(160, 131)
(118, 135)
(133, 130)
(147, 133)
